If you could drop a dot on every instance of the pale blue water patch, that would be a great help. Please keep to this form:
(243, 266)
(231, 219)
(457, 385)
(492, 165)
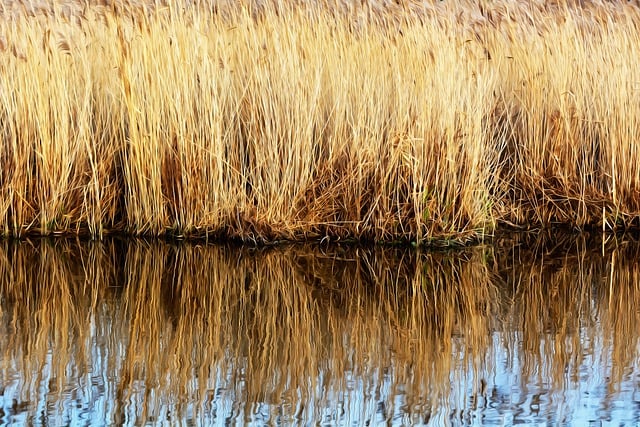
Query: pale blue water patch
(508, 399)
(502, 398)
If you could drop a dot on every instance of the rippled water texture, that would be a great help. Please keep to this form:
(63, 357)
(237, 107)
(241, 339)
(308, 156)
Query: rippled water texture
(140, 332)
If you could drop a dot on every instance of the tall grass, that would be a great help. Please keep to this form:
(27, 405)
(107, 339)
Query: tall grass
(295, 122)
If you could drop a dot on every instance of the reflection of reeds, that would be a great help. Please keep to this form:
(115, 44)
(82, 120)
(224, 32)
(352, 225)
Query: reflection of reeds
(359, 121)
(186, 322)
(151, 325)
(574, 301)
(48, 293)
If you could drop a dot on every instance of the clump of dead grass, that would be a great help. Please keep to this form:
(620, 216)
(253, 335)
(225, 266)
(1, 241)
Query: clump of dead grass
(378, 122)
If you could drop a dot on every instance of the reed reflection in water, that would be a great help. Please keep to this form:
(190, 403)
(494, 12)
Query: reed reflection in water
(140, 332)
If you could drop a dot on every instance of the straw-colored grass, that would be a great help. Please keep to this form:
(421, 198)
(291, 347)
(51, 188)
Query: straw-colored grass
(439, 121)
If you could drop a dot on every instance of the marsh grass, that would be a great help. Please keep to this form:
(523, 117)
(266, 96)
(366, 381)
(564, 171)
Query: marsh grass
(266, 122)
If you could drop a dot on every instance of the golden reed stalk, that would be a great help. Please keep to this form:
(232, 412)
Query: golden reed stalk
(438, 121)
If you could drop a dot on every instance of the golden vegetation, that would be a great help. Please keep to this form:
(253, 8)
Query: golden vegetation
(265, 122)
(155, 327)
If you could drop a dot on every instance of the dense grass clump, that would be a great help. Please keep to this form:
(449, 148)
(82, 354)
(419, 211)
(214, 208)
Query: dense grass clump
(268, 122)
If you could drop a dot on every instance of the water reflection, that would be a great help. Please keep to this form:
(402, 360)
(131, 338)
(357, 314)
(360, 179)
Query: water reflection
(141, 332)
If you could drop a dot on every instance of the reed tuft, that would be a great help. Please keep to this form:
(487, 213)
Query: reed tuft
(430, 122)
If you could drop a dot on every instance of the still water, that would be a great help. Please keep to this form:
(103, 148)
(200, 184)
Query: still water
(137, 332)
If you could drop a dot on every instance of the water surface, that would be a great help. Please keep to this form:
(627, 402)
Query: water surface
(137, 332)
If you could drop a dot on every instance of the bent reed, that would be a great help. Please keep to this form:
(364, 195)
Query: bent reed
(425, 122)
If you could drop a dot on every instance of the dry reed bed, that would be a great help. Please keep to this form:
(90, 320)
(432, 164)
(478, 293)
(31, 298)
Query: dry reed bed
(415, 122)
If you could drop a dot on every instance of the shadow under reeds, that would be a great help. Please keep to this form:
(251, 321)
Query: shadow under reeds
(137, 331)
